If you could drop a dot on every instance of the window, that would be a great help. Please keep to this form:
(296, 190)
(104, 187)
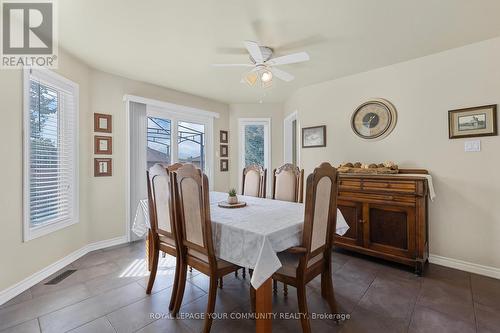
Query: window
(191, 140)
(179, 137)
(255, 143)
(50, 153)
(159, 145)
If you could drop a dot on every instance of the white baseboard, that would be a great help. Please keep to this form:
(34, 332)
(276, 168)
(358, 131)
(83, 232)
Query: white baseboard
(13, 291)
(465, 266)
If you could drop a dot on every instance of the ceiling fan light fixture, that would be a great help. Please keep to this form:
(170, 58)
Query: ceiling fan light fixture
(250, 78)
(266, 76)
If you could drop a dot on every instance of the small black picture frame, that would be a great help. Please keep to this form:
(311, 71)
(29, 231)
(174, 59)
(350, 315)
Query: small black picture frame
(224, 151)
(224, 137)
(224, 165)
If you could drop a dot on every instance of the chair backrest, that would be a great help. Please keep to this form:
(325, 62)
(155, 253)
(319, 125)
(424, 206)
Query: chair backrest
(288, 182)
(254, 181)
(160, 199)
(320, 212)
(194, 227)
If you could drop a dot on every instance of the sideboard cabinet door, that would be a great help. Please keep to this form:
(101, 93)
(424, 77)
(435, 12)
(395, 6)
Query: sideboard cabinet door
(353, 214)
(390, 229)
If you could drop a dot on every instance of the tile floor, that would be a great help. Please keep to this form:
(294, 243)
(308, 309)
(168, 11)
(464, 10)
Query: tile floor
(107, 294)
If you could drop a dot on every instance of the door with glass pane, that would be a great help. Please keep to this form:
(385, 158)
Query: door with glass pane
(191, 143)
(255, 143)
(159, 147)
(188, 148)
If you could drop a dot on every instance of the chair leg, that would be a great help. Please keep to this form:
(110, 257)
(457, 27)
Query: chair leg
(154, 269)
(327, 290)
(236, 273)
(180, 289)
(221, 282)
(244, 274)
(175, 287)
(212, 295)
(252, 298)
(275, 287)
(304, 313)
(190, 269)
(163, 254)
(285, 290)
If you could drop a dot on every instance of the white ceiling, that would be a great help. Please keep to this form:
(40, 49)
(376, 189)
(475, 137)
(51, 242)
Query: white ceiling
(173, 43)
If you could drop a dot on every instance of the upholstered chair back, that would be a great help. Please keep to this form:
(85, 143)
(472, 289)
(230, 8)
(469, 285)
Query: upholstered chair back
(288, 182)
(194, 224)
(320, 211)
(254, 181)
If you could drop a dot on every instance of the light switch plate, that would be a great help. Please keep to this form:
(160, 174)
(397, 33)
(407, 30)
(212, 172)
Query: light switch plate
(472, 146)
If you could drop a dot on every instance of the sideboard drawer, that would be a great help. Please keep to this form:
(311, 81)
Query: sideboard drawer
(393, 186)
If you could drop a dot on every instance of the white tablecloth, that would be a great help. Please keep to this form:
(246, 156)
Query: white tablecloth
(251, 236)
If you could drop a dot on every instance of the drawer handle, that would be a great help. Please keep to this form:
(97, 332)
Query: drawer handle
(362, 221)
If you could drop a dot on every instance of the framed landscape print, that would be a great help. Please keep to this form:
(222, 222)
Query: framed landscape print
(314, 136)
(224, 151)
(224, 137)
(103, 145)
(472, 122)
(102, 123)
(224, 165)
(103, 167)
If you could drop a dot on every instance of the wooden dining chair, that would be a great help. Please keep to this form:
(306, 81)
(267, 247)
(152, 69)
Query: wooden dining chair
(194, 230)
(303, 263)
(254, 181)
(288, 185)
(162, 233)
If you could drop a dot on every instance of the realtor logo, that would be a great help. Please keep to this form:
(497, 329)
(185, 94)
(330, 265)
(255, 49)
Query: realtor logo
(28, 33)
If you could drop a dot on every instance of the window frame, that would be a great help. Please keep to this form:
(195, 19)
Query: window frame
(59, 83)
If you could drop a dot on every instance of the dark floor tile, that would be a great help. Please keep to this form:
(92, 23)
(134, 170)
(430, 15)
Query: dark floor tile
(90, 309)
(100, 325)
(24, 296)
(166, 326)
(30, 326)
(427, 320)
(33, 308)
(449, 276)
(362, 320)
(391, 297)
(141, 313)
(454, 300)
(487, 318)
(486, 290)
(347, 286)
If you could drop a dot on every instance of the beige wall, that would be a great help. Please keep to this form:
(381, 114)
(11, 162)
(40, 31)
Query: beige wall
(19, 260)
(237, 111)
(465, 217)
(102, 200)
(107, 93)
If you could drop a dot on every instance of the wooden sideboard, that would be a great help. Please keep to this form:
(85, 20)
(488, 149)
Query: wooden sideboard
(387, 216)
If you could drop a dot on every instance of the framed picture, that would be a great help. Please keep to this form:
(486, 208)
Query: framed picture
(224, 137)
(103, 167)
(224, 165)
(314, 136)
(103, 145)
(102, 123)
(224, 151)
(472, 122)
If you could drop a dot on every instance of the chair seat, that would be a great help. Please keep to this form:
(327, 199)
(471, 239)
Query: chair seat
(220, 263)
(290, 262)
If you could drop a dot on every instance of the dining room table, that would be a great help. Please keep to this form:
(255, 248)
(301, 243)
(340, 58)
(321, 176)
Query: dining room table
(251, 237)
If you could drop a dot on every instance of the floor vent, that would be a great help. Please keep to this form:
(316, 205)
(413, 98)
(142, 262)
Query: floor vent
(61, 276)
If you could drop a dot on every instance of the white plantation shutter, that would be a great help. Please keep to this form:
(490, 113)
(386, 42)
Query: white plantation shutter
(51, 154)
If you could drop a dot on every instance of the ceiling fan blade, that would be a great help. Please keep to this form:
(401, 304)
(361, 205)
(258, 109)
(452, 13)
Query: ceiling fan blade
(289, 59)
(254, 50)
(282, 75)
(301, 43)
(232, 65)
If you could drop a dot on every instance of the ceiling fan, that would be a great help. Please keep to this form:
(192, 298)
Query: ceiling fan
(263, 64)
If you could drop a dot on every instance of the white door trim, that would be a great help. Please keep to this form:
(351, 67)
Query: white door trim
(287, 137)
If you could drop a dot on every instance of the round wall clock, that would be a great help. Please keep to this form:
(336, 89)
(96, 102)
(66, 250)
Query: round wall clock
(374, 119)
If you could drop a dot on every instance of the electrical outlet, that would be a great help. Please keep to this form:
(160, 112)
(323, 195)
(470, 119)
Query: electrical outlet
(472, 146)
